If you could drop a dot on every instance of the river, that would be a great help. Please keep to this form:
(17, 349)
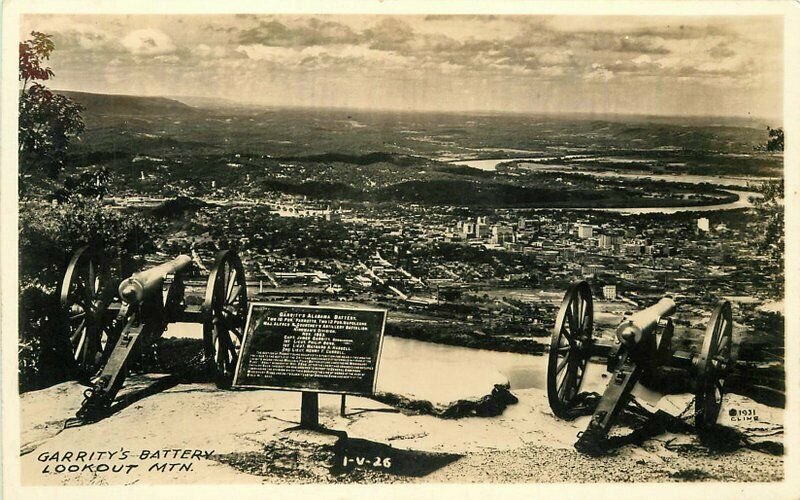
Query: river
(744, 196)
(456, 369)
(444, 373)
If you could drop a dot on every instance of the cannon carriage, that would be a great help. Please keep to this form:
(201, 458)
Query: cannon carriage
(111, 324)
(641, 348)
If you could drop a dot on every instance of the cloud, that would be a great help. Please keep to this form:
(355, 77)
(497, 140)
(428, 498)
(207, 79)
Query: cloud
(340, 57)
(83, 36)
(204, 51)
(556, 58)
(389, 34)
(280, 55)
(598, 72)
(703, 68)
(307, 32)
(460, 48)
(613, 42)
(683, 31)
(721, 51)
(552, 71)
(148, 42)
(170, 59)
(533, 47)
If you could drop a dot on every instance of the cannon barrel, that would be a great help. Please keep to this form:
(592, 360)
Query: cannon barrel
(641, 323)
(133, 290)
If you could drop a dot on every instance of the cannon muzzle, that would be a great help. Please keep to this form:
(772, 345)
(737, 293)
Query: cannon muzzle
(641, 323)
(143, 284)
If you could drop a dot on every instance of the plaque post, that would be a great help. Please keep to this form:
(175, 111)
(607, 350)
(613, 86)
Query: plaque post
(309, 410)
(342, 411)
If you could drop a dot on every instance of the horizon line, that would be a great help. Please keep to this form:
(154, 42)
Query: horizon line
(239, 104)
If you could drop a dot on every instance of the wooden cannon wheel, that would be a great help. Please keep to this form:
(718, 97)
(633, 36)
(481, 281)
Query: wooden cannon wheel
(85, 295)
(572, 335)
(225, 311)
(712, 366)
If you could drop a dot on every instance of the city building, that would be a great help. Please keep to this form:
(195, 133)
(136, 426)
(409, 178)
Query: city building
(591, 269)
(610, 292)
(585, 231)
(503, 234)
(633, 249)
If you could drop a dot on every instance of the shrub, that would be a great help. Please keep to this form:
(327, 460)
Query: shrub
(48, 236)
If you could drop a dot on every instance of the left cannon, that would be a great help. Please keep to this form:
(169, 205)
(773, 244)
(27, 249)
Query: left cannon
(110, 324)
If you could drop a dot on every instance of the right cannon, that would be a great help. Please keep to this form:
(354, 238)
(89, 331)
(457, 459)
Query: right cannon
(642, 346)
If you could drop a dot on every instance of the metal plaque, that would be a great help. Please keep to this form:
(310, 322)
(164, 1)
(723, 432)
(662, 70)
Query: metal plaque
(321, 349)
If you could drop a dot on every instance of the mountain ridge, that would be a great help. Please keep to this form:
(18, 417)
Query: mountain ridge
(120, 104)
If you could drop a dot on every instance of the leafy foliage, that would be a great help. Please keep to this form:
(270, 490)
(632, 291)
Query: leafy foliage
(771, 242)
(775, 142)
(47, 121)
(31, 54)
(88, 185)
(49, 234)
(43, 354)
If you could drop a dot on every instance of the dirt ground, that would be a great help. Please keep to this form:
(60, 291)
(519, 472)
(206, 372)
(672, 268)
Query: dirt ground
(190, 433)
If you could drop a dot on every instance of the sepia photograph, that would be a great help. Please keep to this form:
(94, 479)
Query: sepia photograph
(372, 248)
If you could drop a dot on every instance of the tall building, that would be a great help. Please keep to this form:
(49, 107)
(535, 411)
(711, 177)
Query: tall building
(585, 231)
(465, 228)
(605, 241)
(610, 292)
(477, 229)
(633, 249)
(503, 234)
(482, 230)
(703, 224)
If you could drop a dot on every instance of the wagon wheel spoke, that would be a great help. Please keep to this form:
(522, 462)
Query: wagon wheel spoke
(227, 345)
(233, 295)
(576, 315)
(233, 347)
(78, 330)
(717, 329)
(230, 282)
(226, 275)
(562, 364)
(573, 327)
(81, 294)
(80, 337)
(84, 348)
(224, 347)
(585, 320)
(92, 279)
(563, 390)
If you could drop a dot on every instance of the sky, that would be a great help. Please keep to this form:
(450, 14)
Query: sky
(701, 66)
